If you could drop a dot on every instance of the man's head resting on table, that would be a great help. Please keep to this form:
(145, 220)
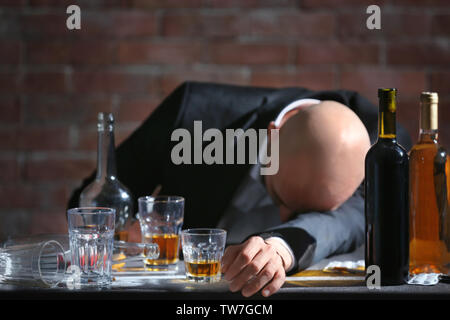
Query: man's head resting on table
(321, 157)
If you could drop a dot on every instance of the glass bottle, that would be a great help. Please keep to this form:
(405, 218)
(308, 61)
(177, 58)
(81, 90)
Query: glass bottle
(106, 190)
(386, 197)
(429, 212)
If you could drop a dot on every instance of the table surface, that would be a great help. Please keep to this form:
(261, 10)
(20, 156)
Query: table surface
(312, 283)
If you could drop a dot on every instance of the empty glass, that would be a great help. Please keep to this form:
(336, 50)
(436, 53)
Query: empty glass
(91, 236)
(161, 219)
(40, 263)
(203, 251)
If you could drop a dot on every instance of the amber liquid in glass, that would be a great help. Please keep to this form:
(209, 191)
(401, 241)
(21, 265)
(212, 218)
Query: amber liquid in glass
(429, 252)
(203, 268)
(168, 249)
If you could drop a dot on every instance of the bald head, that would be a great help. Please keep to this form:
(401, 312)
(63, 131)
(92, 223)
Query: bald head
(322, 151)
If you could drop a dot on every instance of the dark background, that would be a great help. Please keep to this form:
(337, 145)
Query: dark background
(129, 54)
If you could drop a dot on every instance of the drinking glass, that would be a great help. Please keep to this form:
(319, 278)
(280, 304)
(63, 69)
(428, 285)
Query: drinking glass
(161, 219)
(91, 236)
(203, 251)
(40, 263)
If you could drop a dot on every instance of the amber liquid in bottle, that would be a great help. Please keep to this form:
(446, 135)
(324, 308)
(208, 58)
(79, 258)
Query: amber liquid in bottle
(429, 216)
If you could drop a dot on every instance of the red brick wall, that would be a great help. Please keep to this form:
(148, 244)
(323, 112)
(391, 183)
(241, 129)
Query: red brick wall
(130, 53)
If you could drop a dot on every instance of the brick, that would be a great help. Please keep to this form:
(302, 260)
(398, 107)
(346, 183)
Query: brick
(167, 4)
(69, 52)
(9, 82)
(65, 109)
(10, 109)
(34, 196)
(18, 195)
(14, 222)
(317, 80)
(171, 81)
(290, 25)
(9, 170)
(88, 136)
(327, 4)
(119, 24)
(52, 3)
(93, 24)
(418, 3)
(440, 82)
(160, 53)
(136, 109)
(393, 26)
(10, 52)
(43, 138)
(252, 3)
(81, 3)
(339, 53)
(58, 169)
(8, 139)
(441, 25)
(418, 54)
(367, 81)
(114, 82)
(249, 54)
(49, 221)
(204, 25)
(12, 3)
(10, 27)
(44, 25)
(44, 82)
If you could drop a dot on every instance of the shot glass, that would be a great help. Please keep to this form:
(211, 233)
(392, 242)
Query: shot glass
(39, 264)
(91, 236)
(203, 251)
(161, 219)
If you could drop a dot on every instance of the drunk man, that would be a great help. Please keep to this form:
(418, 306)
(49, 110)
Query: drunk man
(311, 208)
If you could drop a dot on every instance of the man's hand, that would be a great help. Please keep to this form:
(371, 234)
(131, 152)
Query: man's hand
(254, 265)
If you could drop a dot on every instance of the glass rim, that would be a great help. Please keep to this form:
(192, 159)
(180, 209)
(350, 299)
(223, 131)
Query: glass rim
(59, 273)
(161, 199)
(91, 210)
(204, 232)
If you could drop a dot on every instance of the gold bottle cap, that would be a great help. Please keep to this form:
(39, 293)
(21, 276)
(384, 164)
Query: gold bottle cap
(429, 111)
(429, 97)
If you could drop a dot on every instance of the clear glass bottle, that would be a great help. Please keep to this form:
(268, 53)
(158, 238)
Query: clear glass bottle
(106, 190)
(429, 212)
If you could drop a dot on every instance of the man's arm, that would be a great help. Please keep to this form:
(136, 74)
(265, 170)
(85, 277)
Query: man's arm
(314, 236)
(262, 261)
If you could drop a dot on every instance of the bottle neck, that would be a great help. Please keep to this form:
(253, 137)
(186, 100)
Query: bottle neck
(386, 124)
(428, 135)
(387, 114)
(106, 158)
(428, 121)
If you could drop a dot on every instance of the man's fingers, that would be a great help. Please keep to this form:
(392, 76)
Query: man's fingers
(247, 252)
(275, 284)
(265, 276)
(251, 270)
(228, 257)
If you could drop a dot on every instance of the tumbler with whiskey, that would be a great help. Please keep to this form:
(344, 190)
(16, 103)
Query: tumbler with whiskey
(161, 219)
(202, 251)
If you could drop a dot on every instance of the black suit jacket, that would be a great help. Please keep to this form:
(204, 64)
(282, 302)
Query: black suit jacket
(144, 159)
